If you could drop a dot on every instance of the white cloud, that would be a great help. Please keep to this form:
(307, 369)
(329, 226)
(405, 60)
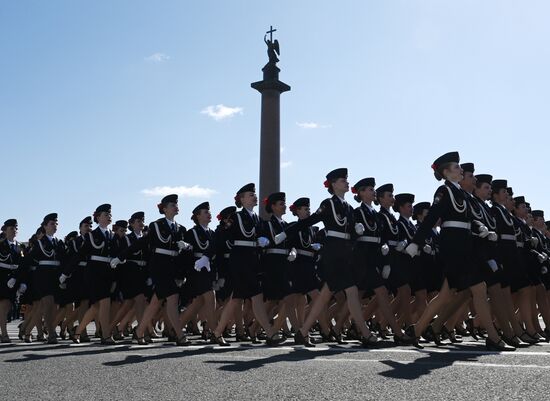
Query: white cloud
(219, 111)
(311, 125)
(189, 192)
(286, 164)
(157, 58)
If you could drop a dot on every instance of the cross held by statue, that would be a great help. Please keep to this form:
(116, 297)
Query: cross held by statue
(271, 30)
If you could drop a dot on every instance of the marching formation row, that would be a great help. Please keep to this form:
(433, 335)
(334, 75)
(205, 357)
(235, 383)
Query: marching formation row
(472, 262)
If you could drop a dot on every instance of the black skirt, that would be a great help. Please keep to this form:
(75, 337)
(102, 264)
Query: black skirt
(337, 264)
(222, 267)
(457, 256)
(366, 271)
(244, 265)
(302, 275)
(401, 269)
(163, 273)
(5, 291)
(101, 278)
(131, 279)
(45, 282)
(275, 282)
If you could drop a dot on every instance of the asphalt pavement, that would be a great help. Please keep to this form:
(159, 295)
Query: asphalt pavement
(162, 371)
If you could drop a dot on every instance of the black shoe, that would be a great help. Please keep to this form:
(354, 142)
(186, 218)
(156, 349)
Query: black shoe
(28, 338)
(460, 330)
(370, 341)
(544, 336)
(108, 341)
(52, 340)
(338, 337)
(243, 338)
(435, 336)
(75, 338)
(525, 337)
(183, 341)
(470, 327)
(219, 341)
(411, 333)
(450, 334)
(326, 338)
(256, 340)
(274, 340)
(299, 339)
(140, 340)
(501, 346)
(402, 339)
(515, 342)
(84, 338)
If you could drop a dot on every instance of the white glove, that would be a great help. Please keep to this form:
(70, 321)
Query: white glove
(427, 249)
(263, 242)
(63, 278)
(203, 261)
(315, 246)
(63, 286)
(545, 254)
(401, 245)
(542, 258)
(359, 228)
(292, 255)
(184, 246)
(22, 288)
(412, 249)
(386, 272)
(385, 249)
(534, 242)
(115, 262)
(179, 283)
(544, 270)
(492, 236)
(11, 282)
(493, 265)
(149, 282)
(280, 238)
(483, 231)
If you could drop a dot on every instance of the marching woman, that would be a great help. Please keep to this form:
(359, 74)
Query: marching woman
(276, 264)
(456, 247)
(65, 296)
(76, 278)
(244, 266)
(390, 235)
(223, 248)
(426, 272)
(540, 247)
(370, 256)
(12, 277)
(49, 253)
(201, 274)
(530, 260)
(514, 279)
(98, 249)
(404, 206)
(29, 299)
(134, 273)
(165, 242)
(303, 275)
(337, 255)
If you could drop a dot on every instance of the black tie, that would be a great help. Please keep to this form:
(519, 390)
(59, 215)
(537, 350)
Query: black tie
(13, 249)
(173, 227)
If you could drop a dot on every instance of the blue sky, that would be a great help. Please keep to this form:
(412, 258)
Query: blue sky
(102, 100)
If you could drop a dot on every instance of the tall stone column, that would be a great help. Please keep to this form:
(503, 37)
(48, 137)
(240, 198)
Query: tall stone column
(270, 130)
